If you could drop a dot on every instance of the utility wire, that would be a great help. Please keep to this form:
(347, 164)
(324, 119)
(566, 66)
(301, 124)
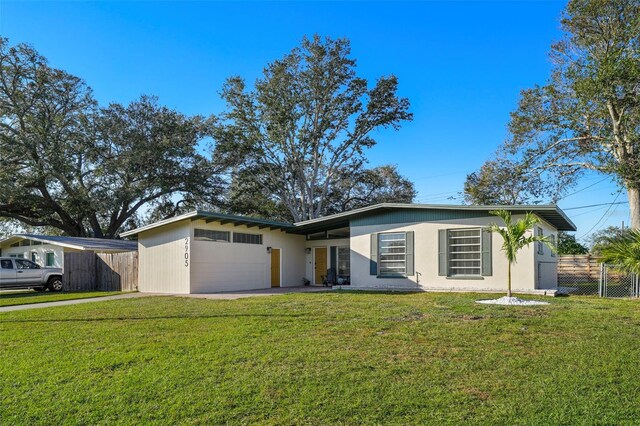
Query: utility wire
(580, 190)
(603, 216)
(597, 205)
(587, 212)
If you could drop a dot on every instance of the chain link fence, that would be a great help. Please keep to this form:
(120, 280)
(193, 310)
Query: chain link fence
(615, 283)
(579, 275)
(584, 275)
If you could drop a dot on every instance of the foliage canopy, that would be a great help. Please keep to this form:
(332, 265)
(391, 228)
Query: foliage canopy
(306, 123)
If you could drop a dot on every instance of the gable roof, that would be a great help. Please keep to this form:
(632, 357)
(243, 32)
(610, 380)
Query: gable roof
(412, 213)
(77, 243)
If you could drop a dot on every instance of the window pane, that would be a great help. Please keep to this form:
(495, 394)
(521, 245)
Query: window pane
(25, 264)
(208, 235)
(240, 237)
(540, 243)
(344, 261)
(392, 253)
(465, 252)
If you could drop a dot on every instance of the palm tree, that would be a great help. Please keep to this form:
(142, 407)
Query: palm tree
(515, 237)
(623, 251)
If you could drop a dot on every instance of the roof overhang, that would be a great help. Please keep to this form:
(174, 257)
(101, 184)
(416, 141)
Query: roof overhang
(550, 213)
(75, 243)
(17, 238)
(221, 218)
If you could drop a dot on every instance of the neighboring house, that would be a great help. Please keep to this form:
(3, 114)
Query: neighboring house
(49, 251)
(386, 246)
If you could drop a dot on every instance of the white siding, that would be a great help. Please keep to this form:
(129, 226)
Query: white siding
(40, 252)
(228, 266)
(162, 251)
(426, 260)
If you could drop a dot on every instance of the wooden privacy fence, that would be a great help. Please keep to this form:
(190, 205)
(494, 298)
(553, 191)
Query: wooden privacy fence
(87, 271)
(580, 266)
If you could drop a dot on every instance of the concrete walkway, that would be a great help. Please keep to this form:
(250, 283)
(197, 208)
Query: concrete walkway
(216, 296)
(71, 302)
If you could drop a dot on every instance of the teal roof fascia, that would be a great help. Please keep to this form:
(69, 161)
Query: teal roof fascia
(414, 216)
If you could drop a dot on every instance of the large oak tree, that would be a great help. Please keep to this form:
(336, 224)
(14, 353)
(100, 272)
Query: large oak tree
(350, 190)
(66, 163)
(305, 121)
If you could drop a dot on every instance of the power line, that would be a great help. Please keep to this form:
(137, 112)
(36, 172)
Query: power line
(580, 190)
(597, 205)
(587, 212)
(603, 216)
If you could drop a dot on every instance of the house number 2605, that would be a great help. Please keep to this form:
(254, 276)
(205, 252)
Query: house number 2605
(186, 251)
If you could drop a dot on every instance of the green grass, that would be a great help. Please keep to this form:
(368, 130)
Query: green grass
(10, 298)
(323, 358)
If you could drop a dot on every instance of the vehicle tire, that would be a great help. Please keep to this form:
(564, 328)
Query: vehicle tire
(54, 284)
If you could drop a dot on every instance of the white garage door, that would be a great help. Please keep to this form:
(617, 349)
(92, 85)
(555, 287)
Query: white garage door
(214, 277)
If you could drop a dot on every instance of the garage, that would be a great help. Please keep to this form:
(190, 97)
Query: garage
(205, 252)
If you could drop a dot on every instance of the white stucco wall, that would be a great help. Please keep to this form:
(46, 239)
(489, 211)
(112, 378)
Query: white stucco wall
(546, 263)
(228, 266)
(161, 254)
(426, 259)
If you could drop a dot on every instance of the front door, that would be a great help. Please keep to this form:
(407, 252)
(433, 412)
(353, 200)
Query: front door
(320, 264)
(275, 267)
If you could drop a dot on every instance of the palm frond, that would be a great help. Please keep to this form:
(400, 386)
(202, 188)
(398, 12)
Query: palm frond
(515, 235)
(623, 251)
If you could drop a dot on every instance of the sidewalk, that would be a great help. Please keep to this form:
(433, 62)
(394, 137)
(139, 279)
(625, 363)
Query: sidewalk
(71, 302)
(216, 296)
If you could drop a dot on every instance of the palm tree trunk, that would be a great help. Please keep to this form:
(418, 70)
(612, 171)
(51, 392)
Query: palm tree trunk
(509, 280)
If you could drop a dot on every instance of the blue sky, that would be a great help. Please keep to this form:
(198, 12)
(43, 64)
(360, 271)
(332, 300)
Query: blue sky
(461, 64)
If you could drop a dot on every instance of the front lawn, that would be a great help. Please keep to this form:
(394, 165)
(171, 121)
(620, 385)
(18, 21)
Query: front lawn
(10, 298)
(322, 358)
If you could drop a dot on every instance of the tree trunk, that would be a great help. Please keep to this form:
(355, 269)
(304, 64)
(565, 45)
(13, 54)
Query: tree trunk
(634, 206)
(509, 280)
